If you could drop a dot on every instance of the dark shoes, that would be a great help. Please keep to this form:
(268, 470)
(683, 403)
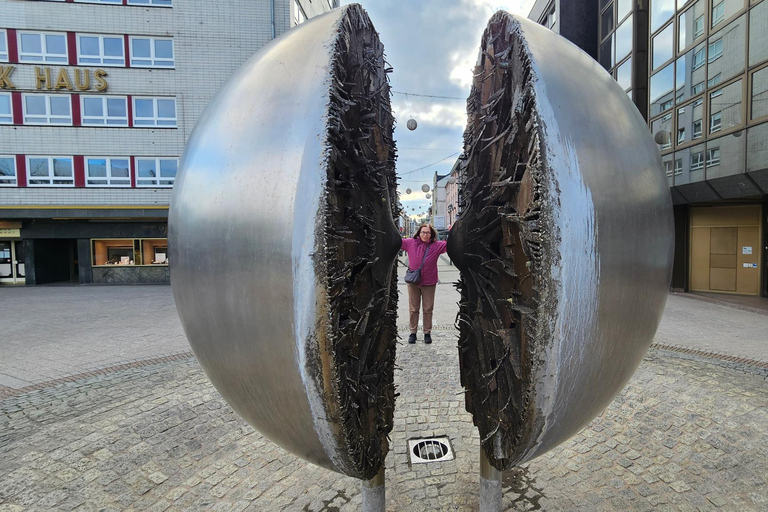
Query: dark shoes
(427, 338)
(412, 338)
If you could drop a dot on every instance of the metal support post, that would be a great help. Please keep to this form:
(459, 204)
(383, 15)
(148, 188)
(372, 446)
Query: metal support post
(490, 485)
(373, 493)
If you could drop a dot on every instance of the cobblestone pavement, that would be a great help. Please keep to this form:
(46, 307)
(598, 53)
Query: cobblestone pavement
(687, 433)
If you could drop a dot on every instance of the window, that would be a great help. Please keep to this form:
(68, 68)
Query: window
(699, 57)
(156, 172)
(606, 22)
(697, 161)
(663, 46)
(662, 131)
(50, 171)
(715, 122)
(116, 2)
(47, 109)
(713, 156)
(696, 126)
(678, 166)
(661, 11)
(715, 50)
(697, 88)
(680, 135)
(299, 16)
(718, 12)
(130, 251)
(714, 80)
(8, 171)
(624, 39)
(698, 27)
(663, 89)
(151, 52)
(159, 112)
(100, 50)
(6, 112)
(105, 110)
(668, 169)
(42, 47)
(759, 94)
(725, 107)
(690, 25)
(107, 172)
(3, 46)
(153, 3)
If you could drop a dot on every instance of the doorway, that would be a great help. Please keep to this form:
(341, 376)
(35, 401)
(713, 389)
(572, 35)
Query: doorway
(12, 270)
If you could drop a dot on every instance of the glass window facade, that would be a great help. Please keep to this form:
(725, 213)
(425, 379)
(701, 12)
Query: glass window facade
(617, 30)
(720, 81)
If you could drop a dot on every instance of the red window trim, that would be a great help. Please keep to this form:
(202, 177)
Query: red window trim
(79, 164)
(21, 170)
(77, 115)
(72, 48)
(18, 113)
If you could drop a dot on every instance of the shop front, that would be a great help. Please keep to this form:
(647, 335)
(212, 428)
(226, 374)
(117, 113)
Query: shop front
(95, 252)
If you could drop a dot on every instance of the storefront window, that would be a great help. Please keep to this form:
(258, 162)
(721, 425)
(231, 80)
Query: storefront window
(130, 251)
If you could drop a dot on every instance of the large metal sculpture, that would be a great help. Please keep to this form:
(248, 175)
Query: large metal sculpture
(564, 243)
(283, 243)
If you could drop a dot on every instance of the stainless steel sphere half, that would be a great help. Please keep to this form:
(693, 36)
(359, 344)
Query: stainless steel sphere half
(565, 246)
(283, 243)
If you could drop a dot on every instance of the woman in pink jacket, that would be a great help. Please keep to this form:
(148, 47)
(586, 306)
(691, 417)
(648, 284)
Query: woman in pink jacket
(423, 293)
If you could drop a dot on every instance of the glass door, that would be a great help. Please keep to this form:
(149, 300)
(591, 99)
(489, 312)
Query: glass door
(11, 262)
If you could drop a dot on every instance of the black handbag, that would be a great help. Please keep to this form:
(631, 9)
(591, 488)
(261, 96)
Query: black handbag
(414, 276)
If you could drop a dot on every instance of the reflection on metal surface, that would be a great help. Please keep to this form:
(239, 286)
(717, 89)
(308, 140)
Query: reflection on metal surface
(565, 241)
(283, 243)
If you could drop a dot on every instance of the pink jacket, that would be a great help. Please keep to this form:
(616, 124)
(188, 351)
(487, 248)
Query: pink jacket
(415, 249)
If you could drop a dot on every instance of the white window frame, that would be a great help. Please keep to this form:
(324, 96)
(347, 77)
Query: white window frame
(699, 161)
(111, 181)
(150, 3)
(9, 118)
(678, 166)
(68, 181)
(49, 118)
(108, 2)
(299, 16)
(45, 56)
(154, 61)
(14, 181)
(101, 56)
(715, 50)
(105, 118)
(3, 45)
(711, 158)
(696, 62)
(717, 19)
(695, 134)
(155, 119)
(155, 181)
(698, 31)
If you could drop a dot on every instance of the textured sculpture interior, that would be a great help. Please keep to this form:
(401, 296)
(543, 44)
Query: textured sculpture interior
(361, 242)
(562, 192)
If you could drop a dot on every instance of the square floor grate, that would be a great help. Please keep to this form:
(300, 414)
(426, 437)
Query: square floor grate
(434, 449)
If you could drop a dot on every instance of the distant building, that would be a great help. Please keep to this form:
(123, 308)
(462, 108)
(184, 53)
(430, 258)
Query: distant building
(698, 72)
(97, 100)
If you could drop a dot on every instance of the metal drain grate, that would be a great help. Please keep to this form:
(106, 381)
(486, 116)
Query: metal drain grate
(435, 449)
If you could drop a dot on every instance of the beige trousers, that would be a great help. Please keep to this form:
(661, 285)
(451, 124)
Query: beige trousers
(418, 295)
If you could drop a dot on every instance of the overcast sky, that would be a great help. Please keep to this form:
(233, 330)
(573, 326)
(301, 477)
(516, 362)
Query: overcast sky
(432, 46)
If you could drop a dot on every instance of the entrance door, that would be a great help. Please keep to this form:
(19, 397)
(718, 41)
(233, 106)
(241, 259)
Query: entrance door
(11, 262)
(725, 249)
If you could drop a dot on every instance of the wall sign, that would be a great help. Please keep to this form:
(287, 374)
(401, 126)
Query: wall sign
(746, 250)
(52, 80)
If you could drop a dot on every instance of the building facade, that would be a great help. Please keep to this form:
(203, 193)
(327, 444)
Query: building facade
(97, 100)
(698, 72)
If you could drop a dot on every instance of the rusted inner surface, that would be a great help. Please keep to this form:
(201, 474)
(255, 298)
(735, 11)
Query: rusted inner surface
(361, 243)
(499, 244)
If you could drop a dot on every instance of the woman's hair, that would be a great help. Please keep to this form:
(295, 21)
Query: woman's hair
(431, 230)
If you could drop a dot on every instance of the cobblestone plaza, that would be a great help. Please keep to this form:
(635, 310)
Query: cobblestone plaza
(688, 433)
